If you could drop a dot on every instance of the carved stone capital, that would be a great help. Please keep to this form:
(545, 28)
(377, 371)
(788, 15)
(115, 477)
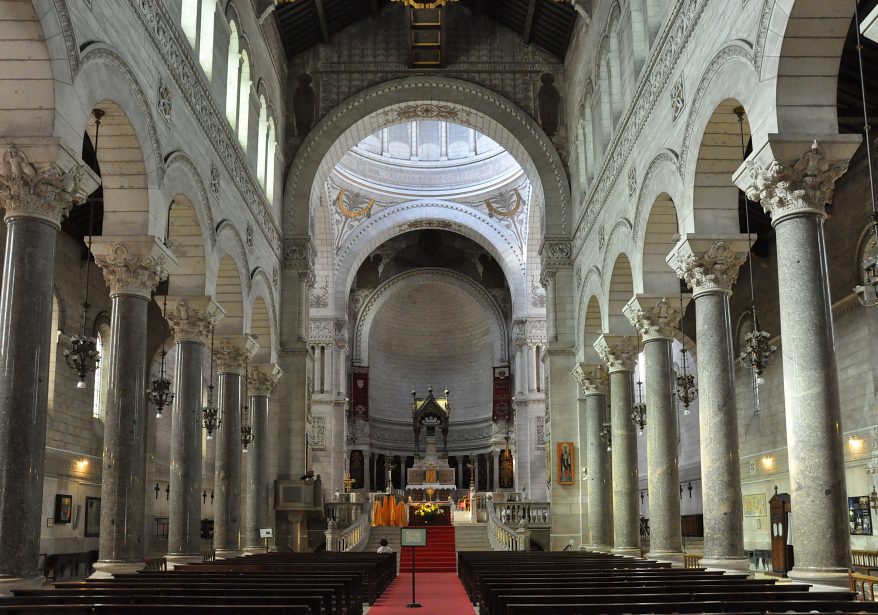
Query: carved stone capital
(41, 191)
(592, 378)
(299, 254)
(709, 264)
(132, 265)
(789, 178)
(555, 253)
(618, 352)
(192, 318)
(654, 317)
(262, 378)
(233, 352)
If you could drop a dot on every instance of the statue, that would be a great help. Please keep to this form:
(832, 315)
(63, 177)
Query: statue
(549, 101)
(304, 105)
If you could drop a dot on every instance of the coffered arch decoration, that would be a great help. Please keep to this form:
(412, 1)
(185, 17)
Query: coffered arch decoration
(429, 276)
(413, 98)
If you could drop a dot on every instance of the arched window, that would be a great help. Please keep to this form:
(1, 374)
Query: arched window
(581, 156)
(269, 163)
(234, 69)
(244, 100)
(262, 145)
(189, 21)
(97, 402)
(197, 21)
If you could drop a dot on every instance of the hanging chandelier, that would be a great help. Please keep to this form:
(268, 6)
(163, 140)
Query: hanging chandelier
(685, 389)
(210, 414)
(159, 392)
(759, 352)
(246, 426)
(867, 292)
(638, 410)
(83, 356)
(606, 435)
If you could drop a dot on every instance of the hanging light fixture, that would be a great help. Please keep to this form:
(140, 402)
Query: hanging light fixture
(83, 356)
(638, 410)
(759, 352)
(607, 435)
(246, 426)
(685, 388)
(160, 393)
(211, 417)
(867, 292)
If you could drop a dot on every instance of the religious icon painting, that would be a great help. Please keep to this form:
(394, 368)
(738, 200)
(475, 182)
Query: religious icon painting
(63, 508)
(565, 463)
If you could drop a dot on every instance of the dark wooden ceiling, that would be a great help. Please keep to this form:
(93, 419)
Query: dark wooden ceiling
(544, 23)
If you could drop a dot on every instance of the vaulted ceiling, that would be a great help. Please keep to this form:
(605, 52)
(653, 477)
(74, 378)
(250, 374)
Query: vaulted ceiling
(544, 23)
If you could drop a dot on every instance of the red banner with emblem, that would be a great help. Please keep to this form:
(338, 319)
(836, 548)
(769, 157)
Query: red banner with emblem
(502, 394)
(360, 391)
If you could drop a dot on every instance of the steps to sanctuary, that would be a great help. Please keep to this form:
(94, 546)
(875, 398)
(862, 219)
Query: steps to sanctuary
(440, 554)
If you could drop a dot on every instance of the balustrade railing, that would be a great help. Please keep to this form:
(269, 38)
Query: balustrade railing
(353, 537)
(344, 513)
(501, 536)
(533, 514)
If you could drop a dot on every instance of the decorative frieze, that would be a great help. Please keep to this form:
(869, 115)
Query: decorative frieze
(709, 264)
(618, 352)
(262, 378)
(131, 265)
(653, 317)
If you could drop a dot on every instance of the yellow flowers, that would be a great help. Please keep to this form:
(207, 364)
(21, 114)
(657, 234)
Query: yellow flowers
(428, 509)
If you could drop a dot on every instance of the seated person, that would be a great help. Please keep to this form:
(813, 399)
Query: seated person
(384, 548)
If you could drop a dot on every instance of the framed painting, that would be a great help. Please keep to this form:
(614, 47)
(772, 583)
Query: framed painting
(566, 463)
(754, 505)
(63, 508)
(92, 517)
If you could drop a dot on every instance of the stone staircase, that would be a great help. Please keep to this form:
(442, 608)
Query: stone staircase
(377, 533)
(472, 537)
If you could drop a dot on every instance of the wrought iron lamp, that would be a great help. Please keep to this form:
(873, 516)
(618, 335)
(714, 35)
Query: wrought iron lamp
(210, 414)
(685, 388)
(606, 435)
(246, 426)
(638, 410)
(867, 292)
(759, 351)
(159, 392)
(83, 356)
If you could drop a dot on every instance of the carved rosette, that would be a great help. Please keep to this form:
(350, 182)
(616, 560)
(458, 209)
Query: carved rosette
(261, 379)
(232, 353)
(592, 378)
(46, 193)
(192, 318)
(783, 190)
(128, 273)
(655, 318)
(617, 352)
(708, 265)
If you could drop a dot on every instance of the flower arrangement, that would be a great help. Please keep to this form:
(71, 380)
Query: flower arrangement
(428, 510)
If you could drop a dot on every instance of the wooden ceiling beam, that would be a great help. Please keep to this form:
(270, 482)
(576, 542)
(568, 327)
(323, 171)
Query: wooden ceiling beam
(529, 21)
(321, 19)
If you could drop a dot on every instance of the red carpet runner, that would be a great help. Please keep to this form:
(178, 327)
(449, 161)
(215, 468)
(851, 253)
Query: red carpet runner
(440, 554)
(440, 593)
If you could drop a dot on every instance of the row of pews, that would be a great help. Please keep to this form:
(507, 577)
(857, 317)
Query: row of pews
(296, 584)
(585, 583)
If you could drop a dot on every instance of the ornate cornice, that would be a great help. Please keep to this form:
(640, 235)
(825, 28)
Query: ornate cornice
(708, 264)
(617, 352)
(191, 319)
(131, 265)
(261, 379)
(46, 193)
(654, 317)
(233, 352)
(171, 46)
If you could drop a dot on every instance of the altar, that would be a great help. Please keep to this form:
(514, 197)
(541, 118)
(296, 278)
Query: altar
(442, 516)
(430, 478)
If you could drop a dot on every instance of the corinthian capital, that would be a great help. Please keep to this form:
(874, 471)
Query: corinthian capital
(592, 378)
(708, 263)
(233, 352)
(132, 265)
(263, 378)
(617, 352)
(192, 318)
(45, 192)
(654, 317)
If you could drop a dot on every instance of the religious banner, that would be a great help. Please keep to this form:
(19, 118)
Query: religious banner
(565, 463)
(502, 394)
(360, 391)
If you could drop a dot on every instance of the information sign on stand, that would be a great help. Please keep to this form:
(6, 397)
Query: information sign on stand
(266, 534)
(413, 537)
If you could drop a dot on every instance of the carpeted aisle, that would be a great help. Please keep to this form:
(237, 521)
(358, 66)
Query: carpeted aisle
(439, 593)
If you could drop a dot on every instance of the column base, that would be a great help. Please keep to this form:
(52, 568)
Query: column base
(599, 548)
(177, 559)
(674, 557)
(227, 553)
(626, 551)
(831, 578)
(106, 570)
(255, 550)
(729, 564)
(8, 583)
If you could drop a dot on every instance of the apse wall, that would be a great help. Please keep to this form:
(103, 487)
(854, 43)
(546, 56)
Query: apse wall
(430, 335)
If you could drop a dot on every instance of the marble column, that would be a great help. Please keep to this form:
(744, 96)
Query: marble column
(794, 181)
(132, 267)
(35, 201)
(232, 353)
(657, 320)
(618, 353)
(597, 460)
(709, 265)
(190, 320)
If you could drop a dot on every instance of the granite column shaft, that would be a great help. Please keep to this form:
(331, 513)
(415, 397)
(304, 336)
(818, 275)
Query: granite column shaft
(600, 477)
(227, 484)
(257, 474)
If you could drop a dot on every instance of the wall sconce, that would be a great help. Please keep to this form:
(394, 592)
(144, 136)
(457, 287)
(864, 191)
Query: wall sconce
(768, 462)
(856, 444)
(81, 464)
(157, 489)
(689, 489)
(168, 492)
(204, 497)
(211, 498)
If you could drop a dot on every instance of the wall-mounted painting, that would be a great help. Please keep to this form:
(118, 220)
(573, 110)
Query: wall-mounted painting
(63, 508)
(92, 517)
(754, 505)
(566, 462)
(860, 516)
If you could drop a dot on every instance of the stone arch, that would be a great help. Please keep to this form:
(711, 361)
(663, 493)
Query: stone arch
(401, 100)
(417, 277)
(620, 289)
(262, 316)
(618, 240)
(417, 215)
(590, 321)
(182, 177)
(184, 235)
(661, 233)
(232, 280)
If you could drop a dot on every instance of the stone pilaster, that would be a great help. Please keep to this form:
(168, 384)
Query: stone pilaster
(36, 196)
(191, 320)
(262, 380)
(658, 320)
(597, 459)
(579, 375)
(794, 180)
(709, 265)
(619, 355)
(231, 355)
(132, 267)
